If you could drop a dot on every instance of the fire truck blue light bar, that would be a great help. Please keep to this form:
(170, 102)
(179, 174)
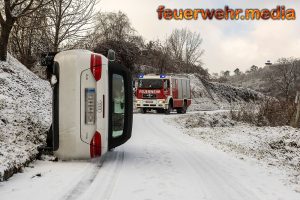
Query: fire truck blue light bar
(163, 76)
(140, 76)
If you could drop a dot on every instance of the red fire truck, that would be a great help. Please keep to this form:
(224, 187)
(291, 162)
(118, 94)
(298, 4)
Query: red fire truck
(163, 93)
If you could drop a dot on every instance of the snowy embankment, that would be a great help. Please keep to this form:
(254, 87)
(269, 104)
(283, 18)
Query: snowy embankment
(277, 147)
(159, 162)
(213, 96)
(25, 115)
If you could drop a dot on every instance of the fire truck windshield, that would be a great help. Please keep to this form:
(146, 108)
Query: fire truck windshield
(150, 83)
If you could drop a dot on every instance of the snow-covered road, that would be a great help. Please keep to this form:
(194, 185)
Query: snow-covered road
(158, 163)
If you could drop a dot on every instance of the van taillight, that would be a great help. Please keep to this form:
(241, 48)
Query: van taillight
(95, 146)
(96, 66)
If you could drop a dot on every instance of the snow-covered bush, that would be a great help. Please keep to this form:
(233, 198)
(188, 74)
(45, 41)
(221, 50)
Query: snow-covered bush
(269, 113)
(206, 120)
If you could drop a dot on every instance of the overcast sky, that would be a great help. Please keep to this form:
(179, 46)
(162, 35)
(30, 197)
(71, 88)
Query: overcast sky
(227, 44)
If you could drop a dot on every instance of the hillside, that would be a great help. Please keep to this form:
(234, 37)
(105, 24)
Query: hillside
(254, 80)
(25, 115)
(276, 80)
(212, 96)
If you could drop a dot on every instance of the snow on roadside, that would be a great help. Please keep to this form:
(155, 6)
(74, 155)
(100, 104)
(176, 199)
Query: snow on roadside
(213, 96)
(25, 115)
(277, 147)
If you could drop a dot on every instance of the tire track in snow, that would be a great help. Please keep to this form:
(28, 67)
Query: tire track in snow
(104, 183)
(119, 159)
(84, 181)
(83, 184)
(227, 187)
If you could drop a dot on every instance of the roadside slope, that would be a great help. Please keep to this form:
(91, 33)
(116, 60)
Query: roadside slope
(25, 115)
(213, 96)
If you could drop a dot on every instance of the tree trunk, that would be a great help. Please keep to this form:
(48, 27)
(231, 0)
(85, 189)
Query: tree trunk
(297, 119)
(55, 45)
(4, 37)
(3, 44)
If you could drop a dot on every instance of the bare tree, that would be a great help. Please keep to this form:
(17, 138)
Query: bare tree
(185, 47)
(114, 26)
(29, 37)
(226, 73)
(193, 51)
(114, 31)
(283, 75)
(156, 55)
(237, 72)
(70, 20)
(253, 68)
(179, 53)
(296, 64)
(176, 43)
(10, 12)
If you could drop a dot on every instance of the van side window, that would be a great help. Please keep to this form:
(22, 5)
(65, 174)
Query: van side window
(118, 98)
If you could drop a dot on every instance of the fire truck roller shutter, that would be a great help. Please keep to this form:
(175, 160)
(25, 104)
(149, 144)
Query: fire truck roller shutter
(184, 87)
(188, 89)
(189, 96)
(180, 92)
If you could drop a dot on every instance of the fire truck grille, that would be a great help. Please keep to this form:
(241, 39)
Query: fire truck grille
(149, 96)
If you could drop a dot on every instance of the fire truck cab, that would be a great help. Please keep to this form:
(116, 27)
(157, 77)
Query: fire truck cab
(92, 104)
(163, 93)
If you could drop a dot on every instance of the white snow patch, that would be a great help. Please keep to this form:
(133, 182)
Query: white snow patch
(277, 147)
(159, 162)
(25, 115)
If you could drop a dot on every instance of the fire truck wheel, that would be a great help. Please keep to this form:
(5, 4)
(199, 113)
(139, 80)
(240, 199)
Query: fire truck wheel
(143, 110)
(160, 110)
(168, 111)
(182, 110)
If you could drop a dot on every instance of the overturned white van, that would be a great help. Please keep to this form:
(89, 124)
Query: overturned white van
(92, 104)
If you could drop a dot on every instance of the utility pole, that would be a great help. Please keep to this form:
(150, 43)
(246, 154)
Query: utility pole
(297, 101)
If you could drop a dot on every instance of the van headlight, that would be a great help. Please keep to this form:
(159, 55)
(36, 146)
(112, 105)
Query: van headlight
(161, 101)
(138, 102)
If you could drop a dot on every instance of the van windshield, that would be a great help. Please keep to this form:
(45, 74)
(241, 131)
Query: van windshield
(150, 83)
